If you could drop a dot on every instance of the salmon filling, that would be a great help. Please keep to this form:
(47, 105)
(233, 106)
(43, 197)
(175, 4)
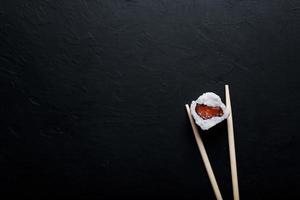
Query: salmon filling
(207, 112)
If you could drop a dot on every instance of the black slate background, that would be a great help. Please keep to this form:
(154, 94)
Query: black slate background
(93, 93)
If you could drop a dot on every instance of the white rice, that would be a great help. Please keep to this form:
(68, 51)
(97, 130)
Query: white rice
(213, 100)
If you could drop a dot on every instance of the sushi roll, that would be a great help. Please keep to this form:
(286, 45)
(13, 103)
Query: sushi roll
(208, 110)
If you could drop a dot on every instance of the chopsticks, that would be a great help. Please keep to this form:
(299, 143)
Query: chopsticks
(234, 176)
(204, 156)
(232, 154)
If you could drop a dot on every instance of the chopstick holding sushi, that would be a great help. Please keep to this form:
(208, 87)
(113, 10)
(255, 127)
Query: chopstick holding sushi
(209, 110)
(234, 176)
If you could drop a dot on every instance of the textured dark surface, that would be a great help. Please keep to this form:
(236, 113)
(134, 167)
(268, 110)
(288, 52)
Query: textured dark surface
(93, 93)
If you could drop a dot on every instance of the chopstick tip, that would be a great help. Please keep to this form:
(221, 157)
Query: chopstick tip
(226, 87)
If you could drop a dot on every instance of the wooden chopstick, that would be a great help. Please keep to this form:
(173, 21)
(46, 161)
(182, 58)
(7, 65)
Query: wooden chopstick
(234, 176)
(204, 156)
